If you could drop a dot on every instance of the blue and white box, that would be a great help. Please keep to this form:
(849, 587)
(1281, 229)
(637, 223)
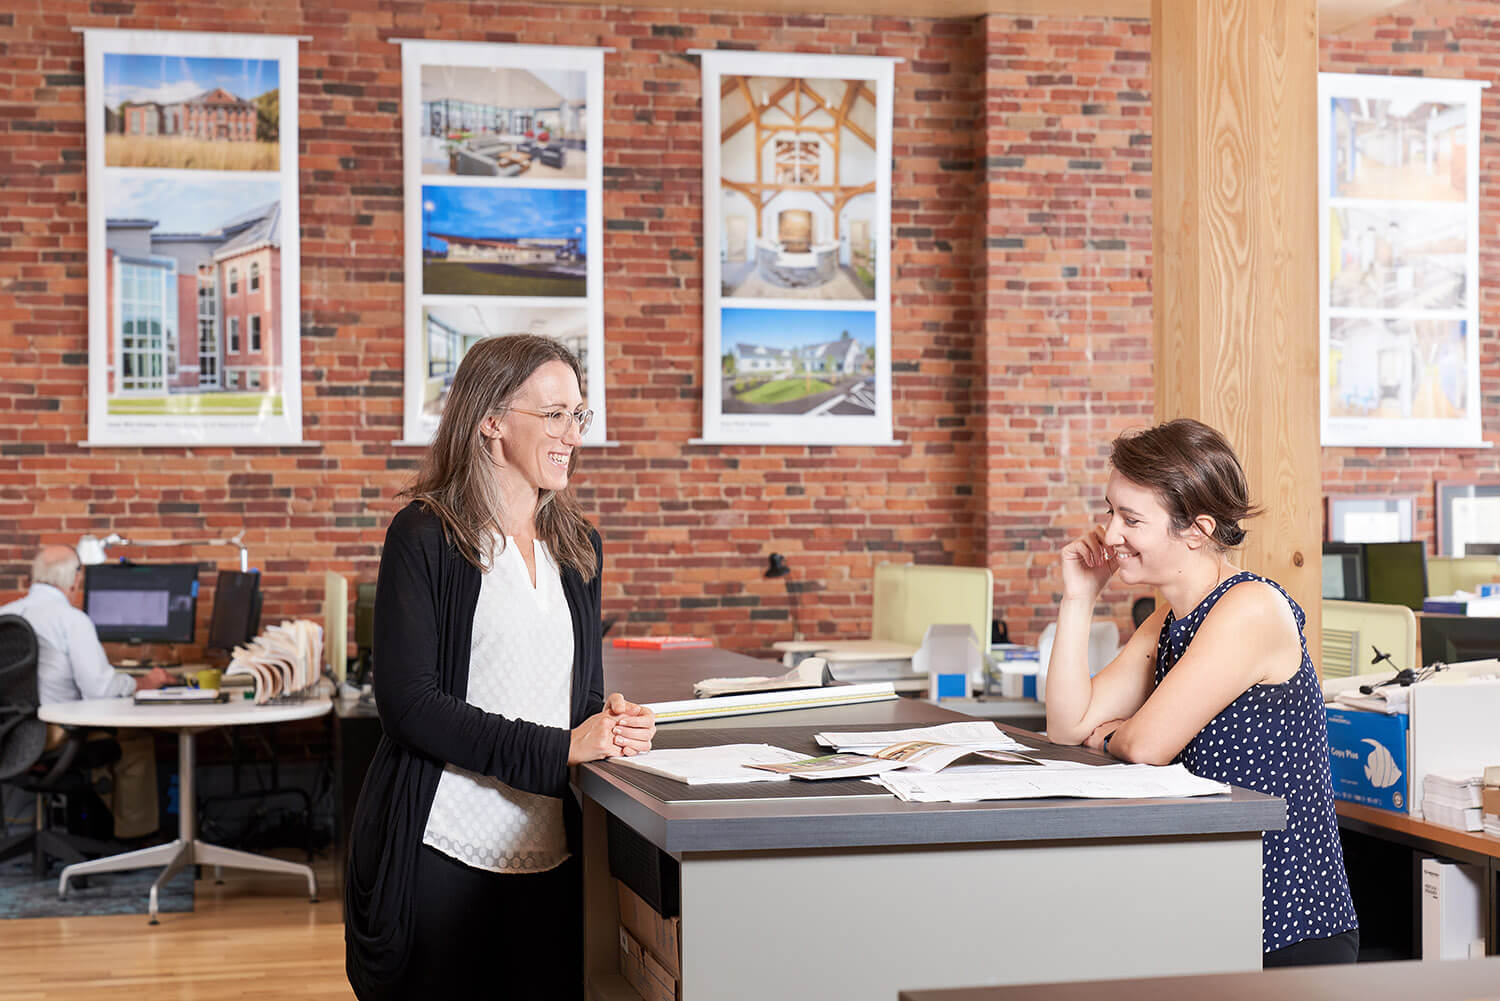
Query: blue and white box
(1368, 758)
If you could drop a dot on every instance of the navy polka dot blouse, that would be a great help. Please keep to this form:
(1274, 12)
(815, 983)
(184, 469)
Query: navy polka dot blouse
(1274, 739)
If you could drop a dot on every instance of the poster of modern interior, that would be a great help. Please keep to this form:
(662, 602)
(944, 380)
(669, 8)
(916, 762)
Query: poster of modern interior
(1407, 145)
(194, 301)
(450, 331)
(484, 121)
(1399, 260)
(1387, 257)
(503, 211)
(1398, 368)
(190, 112)
(797, 188)
(504, 241)
(796, 181)
(803, 362)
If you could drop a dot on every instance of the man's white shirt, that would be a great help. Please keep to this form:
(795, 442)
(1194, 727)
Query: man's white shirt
(70, 663)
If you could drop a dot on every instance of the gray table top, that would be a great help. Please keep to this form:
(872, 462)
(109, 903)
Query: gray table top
(1454, 980)
(806, 815)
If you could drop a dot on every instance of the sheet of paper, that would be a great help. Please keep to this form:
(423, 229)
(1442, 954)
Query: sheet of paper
(1103, 782)
(975, 735)
(712, 765)
(807, 674)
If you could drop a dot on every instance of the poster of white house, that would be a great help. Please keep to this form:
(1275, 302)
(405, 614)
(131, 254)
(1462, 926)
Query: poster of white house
(1399, 262)
(194, 300)
(797, 210)
(503, 210)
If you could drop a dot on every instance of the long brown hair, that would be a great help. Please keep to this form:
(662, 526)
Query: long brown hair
(1193, 471)
(457, 479)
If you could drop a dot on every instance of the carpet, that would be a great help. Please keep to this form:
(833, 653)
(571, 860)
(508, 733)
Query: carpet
(24, 896)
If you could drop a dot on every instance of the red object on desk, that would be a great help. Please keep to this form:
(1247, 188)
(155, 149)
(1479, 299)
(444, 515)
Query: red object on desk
(662, 642)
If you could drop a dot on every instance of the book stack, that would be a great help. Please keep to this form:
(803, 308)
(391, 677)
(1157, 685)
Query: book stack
(282, 660)
(1453, 801)
(1491, 796)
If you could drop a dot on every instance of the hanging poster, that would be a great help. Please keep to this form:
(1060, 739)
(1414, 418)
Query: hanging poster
(1399, 257)
(503, 210)
(194, 301)
(796, 231)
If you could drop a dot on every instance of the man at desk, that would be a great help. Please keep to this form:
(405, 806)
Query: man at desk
(71, 665)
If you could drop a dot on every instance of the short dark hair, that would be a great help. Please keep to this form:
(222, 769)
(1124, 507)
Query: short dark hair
(1193, 471)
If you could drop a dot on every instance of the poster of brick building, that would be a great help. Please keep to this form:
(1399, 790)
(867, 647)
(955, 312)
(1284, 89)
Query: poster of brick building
(504, 211)
(1399, 260)
(796, 195)
(193, 224)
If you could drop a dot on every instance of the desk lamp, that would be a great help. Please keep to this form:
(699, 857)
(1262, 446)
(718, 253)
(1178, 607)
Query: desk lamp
(777, 567)
(92, 550)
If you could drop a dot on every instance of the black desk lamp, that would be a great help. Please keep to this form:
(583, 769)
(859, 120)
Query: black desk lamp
(777, 567)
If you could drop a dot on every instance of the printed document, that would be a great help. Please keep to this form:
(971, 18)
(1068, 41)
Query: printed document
(915, 755)
(1103, 782)
(711, 765)
(976, 735)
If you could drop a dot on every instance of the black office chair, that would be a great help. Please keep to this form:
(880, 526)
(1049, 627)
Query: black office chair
(27, 764)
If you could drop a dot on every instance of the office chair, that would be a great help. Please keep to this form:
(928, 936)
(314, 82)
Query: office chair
(25, 762)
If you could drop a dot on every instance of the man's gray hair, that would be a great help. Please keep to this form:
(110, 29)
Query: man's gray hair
(55, 565)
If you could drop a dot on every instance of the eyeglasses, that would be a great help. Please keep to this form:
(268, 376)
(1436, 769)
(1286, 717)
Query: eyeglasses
(556, 422)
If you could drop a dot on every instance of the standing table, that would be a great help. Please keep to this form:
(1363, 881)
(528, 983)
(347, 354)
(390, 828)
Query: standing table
(188, 721)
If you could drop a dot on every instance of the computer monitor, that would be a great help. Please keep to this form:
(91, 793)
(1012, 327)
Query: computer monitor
(1455, 639)
(1396, 573)
(142, 602)
(1482, 549)
(1344, 571)
(236, 614)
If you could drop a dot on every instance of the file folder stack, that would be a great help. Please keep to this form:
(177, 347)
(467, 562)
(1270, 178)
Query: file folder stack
(1454, 801)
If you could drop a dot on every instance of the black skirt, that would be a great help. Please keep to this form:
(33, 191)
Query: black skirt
(493, 935)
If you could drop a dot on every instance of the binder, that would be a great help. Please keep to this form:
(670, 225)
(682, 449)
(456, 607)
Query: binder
(1452, 919)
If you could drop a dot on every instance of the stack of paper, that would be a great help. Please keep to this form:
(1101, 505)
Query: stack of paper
(711, 765)
(283, 659)
(859, 757)
(1455, 801)
(811, 672)
(1102, 782)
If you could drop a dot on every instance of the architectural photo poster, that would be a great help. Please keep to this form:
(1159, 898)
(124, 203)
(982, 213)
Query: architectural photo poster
(796, 236)
(1399, 260)
(194, 301)
(503, 173)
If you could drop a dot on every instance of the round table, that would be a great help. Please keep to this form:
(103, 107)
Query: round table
(187, 720)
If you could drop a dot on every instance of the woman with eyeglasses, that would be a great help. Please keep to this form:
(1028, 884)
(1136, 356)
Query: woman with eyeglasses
(463, 871)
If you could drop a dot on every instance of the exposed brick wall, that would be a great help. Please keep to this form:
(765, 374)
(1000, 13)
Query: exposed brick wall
(1021, 319)
(1441, 39)
(1067, 294)
(687, 528)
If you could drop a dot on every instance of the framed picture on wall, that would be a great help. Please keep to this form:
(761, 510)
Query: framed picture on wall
(504, 189)
(194, 269)
(1355, 518)
(1468, 514)
(1399, 260)
(796, 269)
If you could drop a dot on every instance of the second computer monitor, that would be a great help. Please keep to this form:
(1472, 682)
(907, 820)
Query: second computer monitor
(1396, 573)
(236, 614)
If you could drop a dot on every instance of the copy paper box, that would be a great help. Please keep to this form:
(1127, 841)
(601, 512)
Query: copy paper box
(660, 936)
(643, 973)
(1367, 758)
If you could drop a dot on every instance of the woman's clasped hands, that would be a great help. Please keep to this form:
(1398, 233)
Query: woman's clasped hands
(621, 729)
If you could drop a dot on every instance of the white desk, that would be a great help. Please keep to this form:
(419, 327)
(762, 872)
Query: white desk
(188, 721)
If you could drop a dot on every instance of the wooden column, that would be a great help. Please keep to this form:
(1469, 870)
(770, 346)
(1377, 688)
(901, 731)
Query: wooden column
(1234, 161)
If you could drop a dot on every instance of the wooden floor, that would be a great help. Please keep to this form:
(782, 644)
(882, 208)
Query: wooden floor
(255, 937)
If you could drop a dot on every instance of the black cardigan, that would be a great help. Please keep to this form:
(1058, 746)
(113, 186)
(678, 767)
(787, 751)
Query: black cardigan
(424, 619)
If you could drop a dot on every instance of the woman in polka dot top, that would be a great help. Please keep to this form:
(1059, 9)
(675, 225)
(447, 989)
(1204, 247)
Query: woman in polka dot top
(1219, 678)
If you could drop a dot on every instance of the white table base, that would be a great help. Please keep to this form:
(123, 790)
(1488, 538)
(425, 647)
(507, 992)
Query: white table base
(187, 849)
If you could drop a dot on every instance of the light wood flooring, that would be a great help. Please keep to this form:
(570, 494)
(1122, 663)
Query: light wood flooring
(255, 937)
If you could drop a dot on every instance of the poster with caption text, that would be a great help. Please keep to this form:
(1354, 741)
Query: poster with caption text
(194, 295)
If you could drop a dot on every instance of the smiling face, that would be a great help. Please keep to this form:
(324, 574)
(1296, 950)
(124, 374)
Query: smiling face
(1140, 531)
(527, 456)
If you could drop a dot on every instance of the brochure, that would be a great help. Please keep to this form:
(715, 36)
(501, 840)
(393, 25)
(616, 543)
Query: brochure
(915, 755)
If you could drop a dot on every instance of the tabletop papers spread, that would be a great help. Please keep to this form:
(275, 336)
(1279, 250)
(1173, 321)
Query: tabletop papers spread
(915, 755)
(711, 765)
(1101, 782)
(976, 735)
(281, 660)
